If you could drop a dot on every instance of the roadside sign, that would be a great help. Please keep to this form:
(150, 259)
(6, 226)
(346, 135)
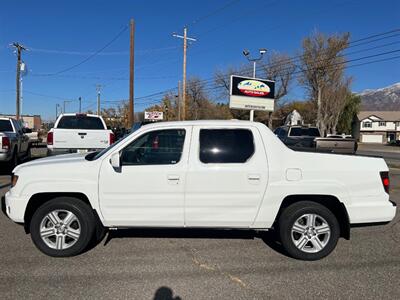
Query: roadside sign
(251, 93)
(153, 115)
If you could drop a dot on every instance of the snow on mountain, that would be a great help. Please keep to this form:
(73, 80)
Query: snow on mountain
(383, 99)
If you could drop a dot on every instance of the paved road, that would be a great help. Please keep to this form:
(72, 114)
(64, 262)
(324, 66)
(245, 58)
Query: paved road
(150, 264)
(390, 153)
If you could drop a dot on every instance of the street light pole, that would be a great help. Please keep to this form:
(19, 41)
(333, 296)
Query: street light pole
(246, 53)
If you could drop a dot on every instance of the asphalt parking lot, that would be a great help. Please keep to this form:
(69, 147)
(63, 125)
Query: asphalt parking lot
(154, 264)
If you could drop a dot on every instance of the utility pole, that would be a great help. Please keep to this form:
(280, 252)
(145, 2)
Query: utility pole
(19, 48)
(131, 114)
(185, 39)
(80, 104)
(98, 90)
(179, 100)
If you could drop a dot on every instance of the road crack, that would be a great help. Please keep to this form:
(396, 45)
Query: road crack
(213, 268)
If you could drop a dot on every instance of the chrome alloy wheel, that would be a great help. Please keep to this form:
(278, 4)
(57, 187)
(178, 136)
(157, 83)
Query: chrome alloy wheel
(60, 229)
(310, 233)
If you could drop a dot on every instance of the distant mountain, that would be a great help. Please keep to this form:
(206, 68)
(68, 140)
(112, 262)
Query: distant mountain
(384, 99)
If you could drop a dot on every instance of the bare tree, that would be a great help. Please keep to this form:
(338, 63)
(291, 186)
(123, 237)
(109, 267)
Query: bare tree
(279, 68)
(198, 104)
(196, 96)
(222, 78)
(322, 68)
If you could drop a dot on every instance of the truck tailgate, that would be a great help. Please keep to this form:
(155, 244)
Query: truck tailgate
(335, 145)
(80, 138)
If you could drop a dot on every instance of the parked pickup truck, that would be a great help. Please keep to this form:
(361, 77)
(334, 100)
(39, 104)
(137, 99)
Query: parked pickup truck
(32, 135)
(208, 174)
(304, 138)
(78, 133)
(14, 144)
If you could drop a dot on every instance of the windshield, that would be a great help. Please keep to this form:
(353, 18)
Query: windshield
(96, 155)
(80, 122)
(5, 125)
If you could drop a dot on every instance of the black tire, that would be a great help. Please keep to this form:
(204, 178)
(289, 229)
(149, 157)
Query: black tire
(83, 213)
(13, 162)
(29, 153)
(295, 212)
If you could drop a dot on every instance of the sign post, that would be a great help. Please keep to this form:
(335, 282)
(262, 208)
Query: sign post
(251, 94)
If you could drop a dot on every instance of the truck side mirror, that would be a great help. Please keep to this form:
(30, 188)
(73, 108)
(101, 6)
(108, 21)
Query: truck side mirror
(115, 161)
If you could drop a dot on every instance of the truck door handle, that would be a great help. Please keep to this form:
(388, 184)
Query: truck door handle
(82, 133)
(253, 177)
(173, 179)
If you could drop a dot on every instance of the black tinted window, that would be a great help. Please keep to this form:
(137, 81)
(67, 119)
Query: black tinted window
(5, 125)
(80, 122)
(226, 145)
(280, 132)
(161, 147)
(298, 131)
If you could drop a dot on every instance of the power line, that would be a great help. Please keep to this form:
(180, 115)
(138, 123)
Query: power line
(214, 12)
(210, 86)
(90, 56)
(293, 59)
(114, 53)
(150, 97)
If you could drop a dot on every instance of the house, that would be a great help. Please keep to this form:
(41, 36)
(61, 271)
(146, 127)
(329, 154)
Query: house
(377, 126)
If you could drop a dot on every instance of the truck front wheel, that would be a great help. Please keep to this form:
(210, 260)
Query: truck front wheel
(62, 227)
(308, 230)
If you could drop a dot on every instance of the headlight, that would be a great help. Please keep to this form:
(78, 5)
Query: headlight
(14, 179)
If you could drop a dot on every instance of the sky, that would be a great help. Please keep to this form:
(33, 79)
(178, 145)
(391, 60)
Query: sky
(60, 35)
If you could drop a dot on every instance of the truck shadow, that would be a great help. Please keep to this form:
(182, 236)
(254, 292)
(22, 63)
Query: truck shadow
(268, 237)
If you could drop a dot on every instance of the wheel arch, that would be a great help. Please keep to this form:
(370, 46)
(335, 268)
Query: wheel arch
(40, 198)
(329, 201)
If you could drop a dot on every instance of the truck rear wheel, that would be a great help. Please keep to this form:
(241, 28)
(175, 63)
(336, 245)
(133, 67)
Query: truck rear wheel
(308, 230)
(13, 161)
(62, 227)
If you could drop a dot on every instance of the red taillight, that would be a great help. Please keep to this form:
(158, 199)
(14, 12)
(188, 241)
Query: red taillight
(5, 143)
(112, 138)
(385, 181)
(50, 138)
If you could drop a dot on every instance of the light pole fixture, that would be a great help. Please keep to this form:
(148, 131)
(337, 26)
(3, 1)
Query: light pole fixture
(254, 60)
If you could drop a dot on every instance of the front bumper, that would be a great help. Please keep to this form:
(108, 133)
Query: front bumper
(15, 207)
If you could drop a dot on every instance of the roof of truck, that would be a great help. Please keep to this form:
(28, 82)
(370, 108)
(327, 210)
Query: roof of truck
(203, 122)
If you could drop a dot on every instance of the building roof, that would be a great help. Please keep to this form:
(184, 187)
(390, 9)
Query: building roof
(13, 115)
(383, 115)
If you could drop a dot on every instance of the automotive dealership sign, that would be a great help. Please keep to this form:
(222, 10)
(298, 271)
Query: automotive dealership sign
(153, 115)
(252, 93)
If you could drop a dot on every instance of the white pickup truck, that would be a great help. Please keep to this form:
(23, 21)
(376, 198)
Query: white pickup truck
(14, 143)
(78, 133)
(214, 174)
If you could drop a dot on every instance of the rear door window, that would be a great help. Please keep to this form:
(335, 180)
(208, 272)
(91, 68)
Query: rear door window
(81, 122)
(226, 145)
